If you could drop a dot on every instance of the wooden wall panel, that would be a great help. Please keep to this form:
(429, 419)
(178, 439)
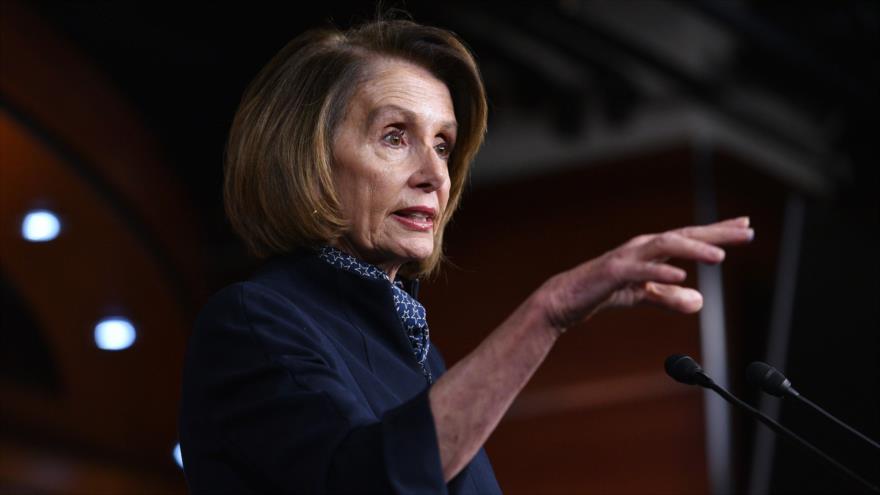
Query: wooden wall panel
(600, 416)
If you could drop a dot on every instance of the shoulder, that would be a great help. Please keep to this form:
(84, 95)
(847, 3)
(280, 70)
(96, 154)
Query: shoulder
(252, 316)
(291, 288)
(244, 301)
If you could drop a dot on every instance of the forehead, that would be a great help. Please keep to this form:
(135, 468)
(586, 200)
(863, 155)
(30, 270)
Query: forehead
(396, 85)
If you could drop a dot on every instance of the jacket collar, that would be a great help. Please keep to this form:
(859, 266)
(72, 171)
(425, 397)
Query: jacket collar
(303, 277)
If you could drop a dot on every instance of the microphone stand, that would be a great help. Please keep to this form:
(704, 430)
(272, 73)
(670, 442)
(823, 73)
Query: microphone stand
(781, 430)
(832, 418)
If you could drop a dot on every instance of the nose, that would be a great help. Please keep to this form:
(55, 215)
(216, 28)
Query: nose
(431, 171)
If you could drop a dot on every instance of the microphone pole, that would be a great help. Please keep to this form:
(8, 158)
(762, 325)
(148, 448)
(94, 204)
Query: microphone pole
(773, 382)
(685, 370)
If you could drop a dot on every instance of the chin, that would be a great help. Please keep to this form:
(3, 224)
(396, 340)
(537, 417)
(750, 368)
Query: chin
(419, 250)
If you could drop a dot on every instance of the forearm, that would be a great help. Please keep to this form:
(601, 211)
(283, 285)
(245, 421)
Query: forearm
(469, 400)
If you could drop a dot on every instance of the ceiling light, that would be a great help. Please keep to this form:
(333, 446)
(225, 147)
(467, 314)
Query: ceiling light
(114, 334)
(40, 226)
(178, 457)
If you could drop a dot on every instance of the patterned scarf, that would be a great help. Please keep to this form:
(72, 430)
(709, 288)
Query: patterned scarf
(410, 311)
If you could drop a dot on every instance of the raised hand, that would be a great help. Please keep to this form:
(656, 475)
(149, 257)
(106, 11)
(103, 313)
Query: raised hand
(638, 272)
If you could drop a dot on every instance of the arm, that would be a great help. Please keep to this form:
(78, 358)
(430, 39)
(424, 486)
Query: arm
(469, 400)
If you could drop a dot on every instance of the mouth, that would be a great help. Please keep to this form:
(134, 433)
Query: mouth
(418, 218)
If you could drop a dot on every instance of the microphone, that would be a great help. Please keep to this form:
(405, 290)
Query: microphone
(770, 380)
(684, 369)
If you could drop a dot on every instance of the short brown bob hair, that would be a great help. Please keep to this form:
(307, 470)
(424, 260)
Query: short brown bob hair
(278, 190)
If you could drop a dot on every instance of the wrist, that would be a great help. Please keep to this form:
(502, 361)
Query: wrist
(546, 307)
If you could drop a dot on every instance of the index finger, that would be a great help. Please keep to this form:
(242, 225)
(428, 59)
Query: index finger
(734, 231)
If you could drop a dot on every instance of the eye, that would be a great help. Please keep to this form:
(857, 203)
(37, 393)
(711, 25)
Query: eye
(394, 138)
(443, 150)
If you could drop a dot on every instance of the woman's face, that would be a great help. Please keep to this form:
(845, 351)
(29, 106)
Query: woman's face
(390, 164)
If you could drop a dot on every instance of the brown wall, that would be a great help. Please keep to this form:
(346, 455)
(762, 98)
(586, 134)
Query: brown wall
(73, 144)
(600, 416)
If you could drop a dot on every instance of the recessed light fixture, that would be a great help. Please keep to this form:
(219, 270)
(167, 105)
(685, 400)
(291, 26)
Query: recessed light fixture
(178, 457)
(114, 334)
(40, 226)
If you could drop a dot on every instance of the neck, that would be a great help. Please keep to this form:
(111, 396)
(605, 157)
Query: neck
(390, 268)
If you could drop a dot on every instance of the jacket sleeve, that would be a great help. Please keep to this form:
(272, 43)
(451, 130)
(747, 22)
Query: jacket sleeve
(278, 405)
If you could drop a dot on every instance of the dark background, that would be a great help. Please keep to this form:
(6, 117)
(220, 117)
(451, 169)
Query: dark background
(800, 77)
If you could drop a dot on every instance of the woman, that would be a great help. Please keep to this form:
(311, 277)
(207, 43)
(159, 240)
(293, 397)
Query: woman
(345, 162)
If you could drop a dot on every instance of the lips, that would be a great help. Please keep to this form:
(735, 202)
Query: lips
(418, 218)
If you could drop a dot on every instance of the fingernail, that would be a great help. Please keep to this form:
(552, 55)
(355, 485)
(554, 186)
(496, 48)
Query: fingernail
(745, 221)
(751, 234)
(718, 254)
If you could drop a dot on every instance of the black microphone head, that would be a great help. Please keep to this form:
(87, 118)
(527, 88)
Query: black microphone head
(684, 369)
(768, 378)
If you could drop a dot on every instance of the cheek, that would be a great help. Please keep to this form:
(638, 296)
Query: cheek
(348, 192)
(369, 194)
(353, 180)
(444, 195)
(386, 184)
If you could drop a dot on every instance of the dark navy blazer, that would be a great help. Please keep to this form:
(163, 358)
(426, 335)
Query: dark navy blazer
(301, 380)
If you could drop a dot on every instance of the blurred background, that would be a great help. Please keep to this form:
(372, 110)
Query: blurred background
(608, 119)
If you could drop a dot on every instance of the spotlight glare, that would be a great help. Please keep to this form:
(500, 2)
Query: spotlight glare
(178, 457)
(40, 226)
(114, 334)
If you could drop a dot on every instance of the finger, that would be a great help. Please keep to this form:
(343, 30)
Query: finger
(682, 299)
(673, 245)
(731, 231)
(735, 222)
(718, 234)
(655, 272)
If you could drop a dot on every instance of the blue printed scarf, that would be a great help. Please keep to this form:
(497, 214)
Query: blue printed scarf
(410, 311)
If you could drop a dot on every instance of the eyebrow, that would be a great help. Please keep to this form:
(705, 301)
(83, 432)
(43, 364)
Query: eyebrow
(408, 114)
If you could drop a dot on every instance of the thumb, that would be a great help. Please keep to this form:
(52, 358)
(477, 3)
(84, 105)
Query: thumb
(682, 299)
